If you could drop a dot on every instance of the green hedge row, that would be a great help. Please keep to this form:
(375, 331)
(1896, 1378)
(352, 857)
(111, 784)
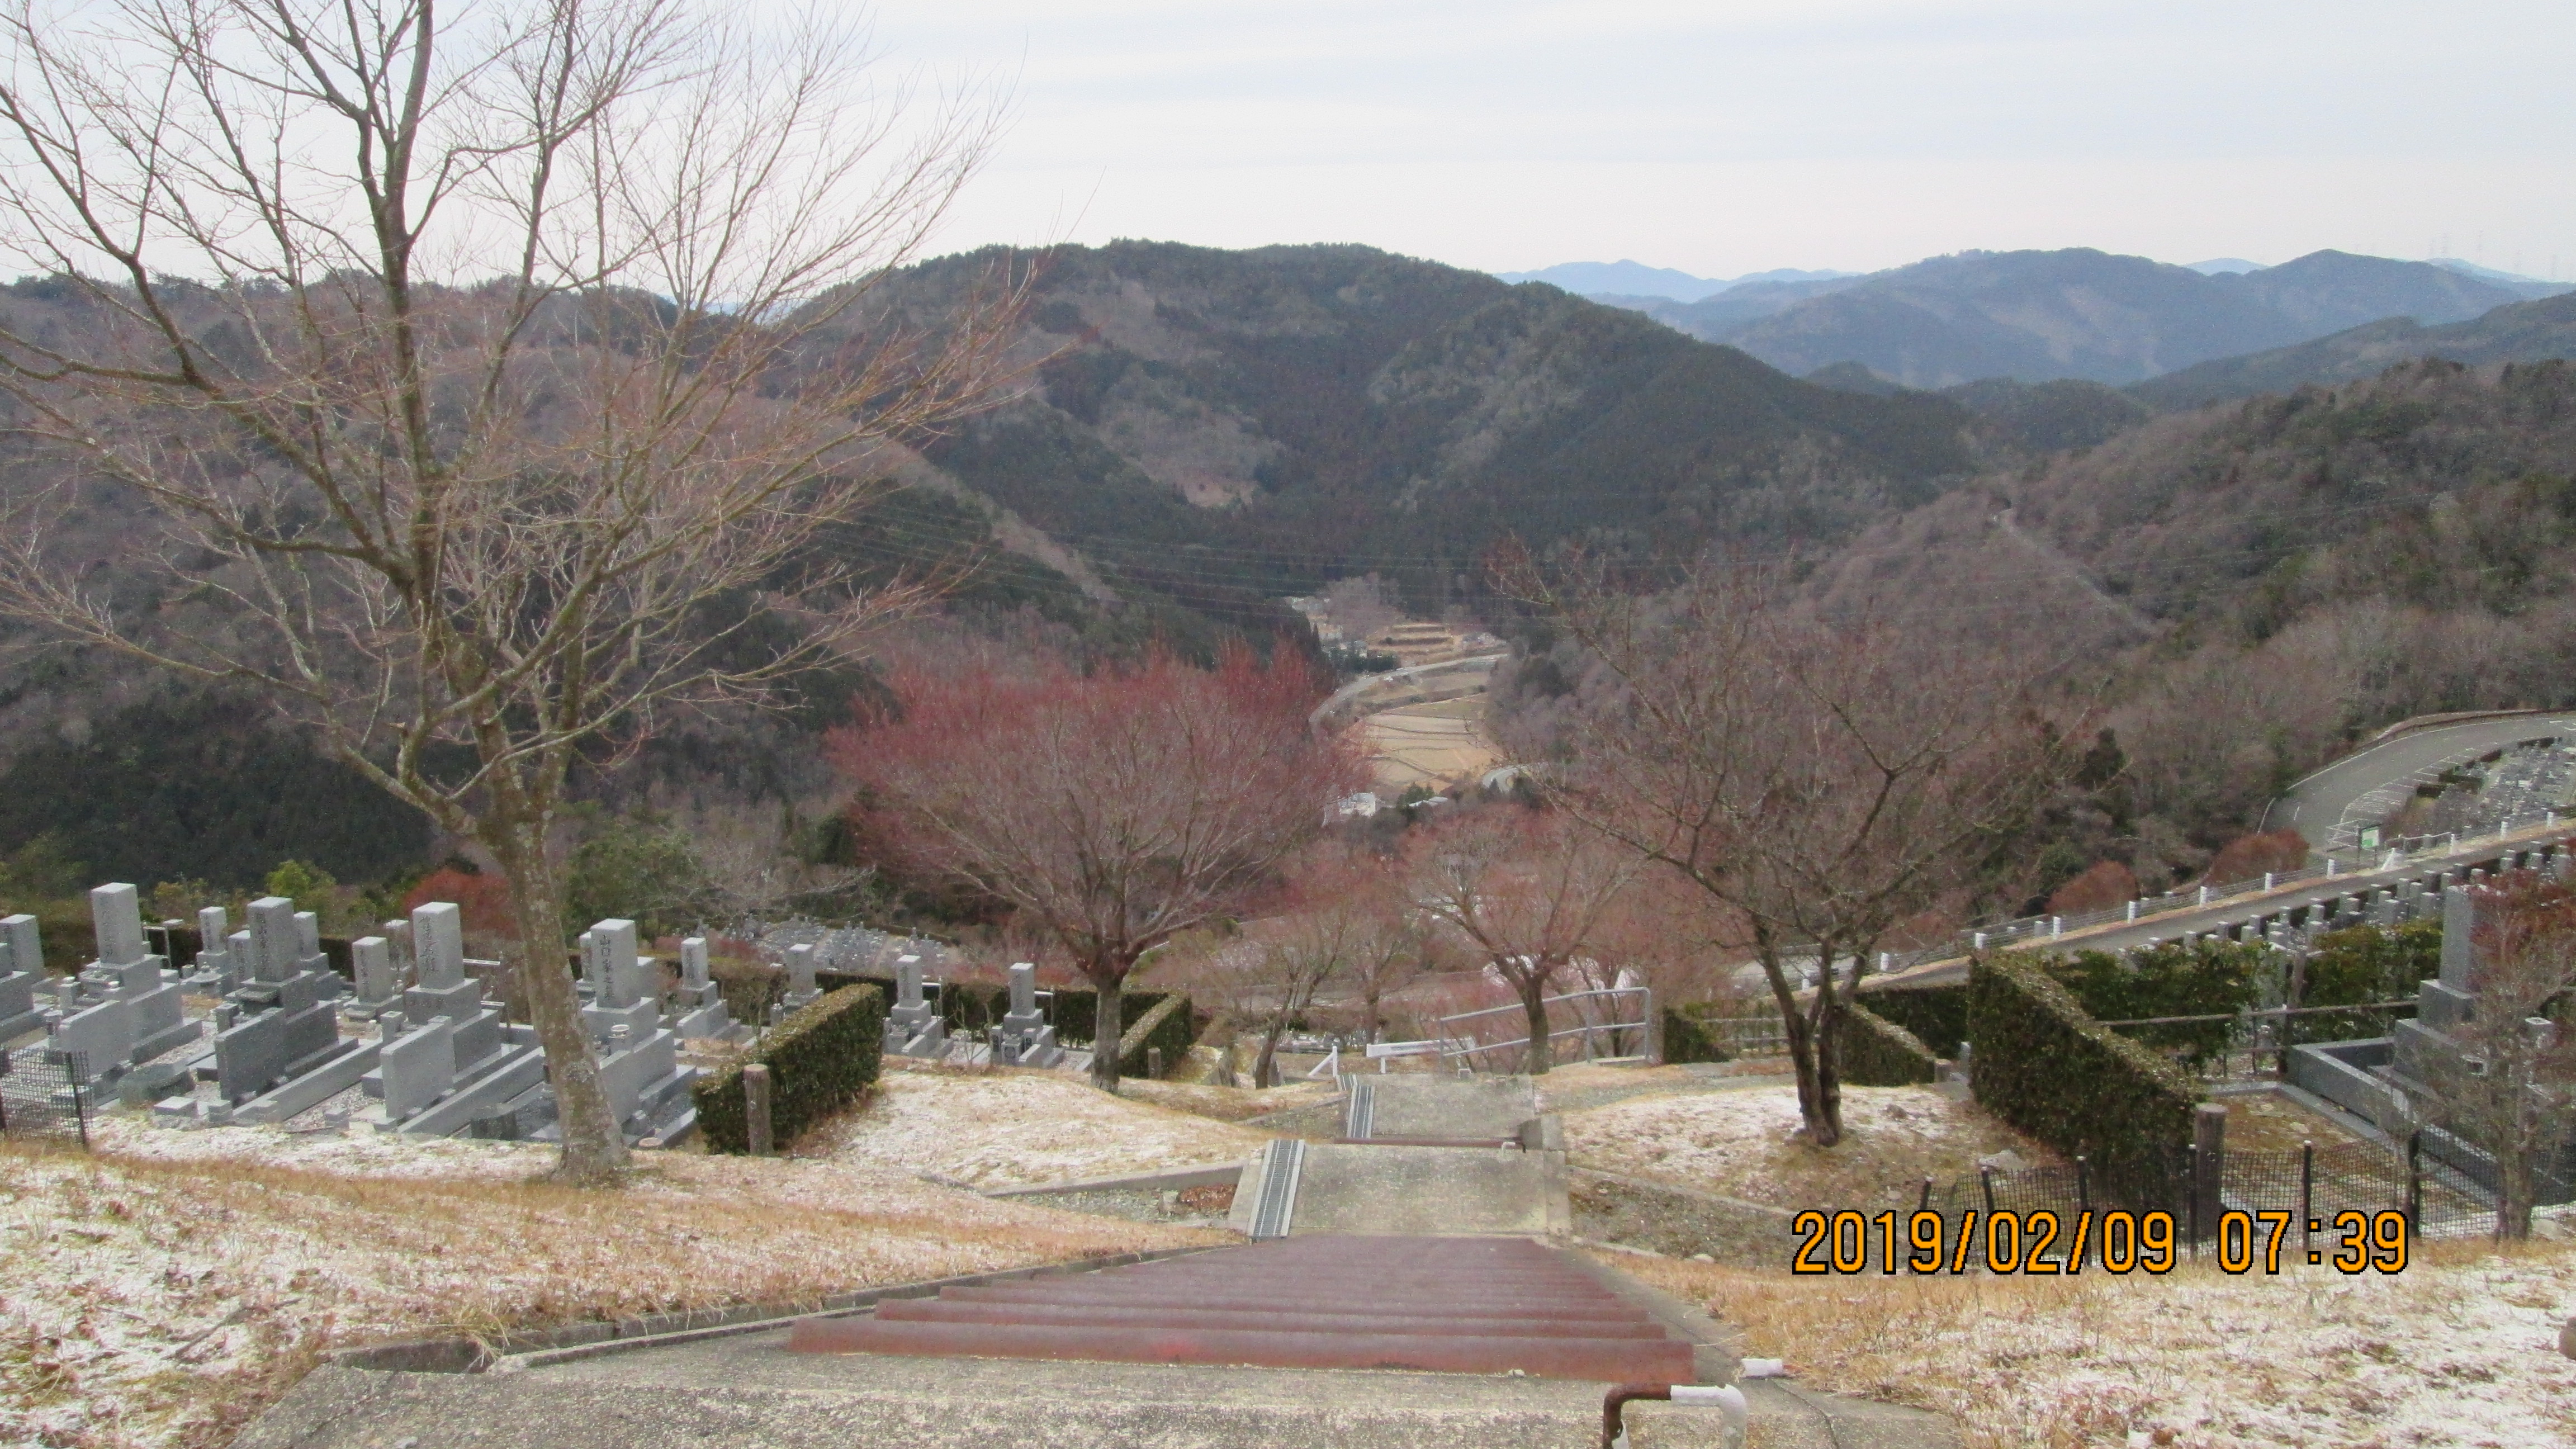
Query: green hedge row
(1937, 1015)
(820, 1060)
(1876, 1052)
(2047, 1067)
(1685, 1040)
(2207, 978)
(1165, 1024)
(2361, 964)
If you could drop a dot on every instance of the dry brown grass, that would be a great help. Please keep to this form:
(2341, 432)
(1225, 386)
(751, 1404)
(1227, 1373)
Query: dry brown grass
(2270, 1122)
(2459, 1349)
(163, 1302)
(1743, 1143)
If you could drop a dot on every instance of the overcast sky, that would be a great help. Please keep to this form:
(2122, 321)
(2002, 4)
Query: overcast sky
(1737, 135)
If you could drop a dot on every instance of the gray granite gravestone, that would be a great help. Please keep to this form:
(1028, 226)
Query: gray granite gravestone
(22, 970)
(1023, 1039)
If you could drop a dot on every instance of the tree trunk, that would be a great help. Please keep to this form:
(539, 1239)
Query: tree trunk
(1538, 1053)
(1265, 1072)
(1107, 1023)
(1825, 1128)
(594, 1150)
(2517, 1185)
(1822, 1116)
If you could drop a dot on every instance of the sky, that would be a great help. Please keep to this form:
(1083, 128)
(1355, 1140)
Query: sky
(1731, 136)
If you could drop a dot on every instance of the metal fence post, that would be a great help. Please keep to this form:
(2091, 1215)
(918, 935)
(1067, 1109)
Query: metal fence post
(2083, 1188)
(2307, 1195)
(1986, 1177)
(2415, 1181)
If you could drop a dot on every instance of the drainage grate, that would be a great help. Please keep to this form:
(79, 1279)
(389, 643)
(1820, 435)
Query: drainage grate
(1277, 1205)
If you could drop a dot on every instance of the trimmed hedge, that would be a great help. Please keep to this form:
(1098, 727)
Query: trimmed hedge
(2047, 1067)
(1166, 1024)
(1936, 1015)
(1876, 1052)
(820, 1059)
(1686, 1041)
(2207, 978)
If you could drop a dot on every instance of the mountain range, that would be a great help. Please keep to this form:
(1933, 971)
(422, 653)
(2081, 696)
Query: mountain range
(1636, 279)
(1265, 419)
(2040, 315)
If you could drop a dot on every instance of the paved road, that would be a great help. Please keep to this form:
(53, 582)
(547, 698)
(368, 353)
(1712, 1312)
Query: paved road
(2319, 804)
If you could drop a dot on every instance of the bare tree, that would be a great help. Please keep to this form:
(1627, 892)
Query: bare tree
(1831, 782)
(2508, 1083)
(1528, 892)
(465, 384)
(1114, 811)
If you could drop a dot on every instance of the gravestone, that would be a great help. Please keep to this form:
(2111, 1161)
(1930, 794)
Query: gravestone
(211, 975)
(639, 1067)
(153, 1019)
(22, 970)
(448, 1056)
(698, 1008)
(913, 1027)
(801, 990)
(379, 986)
(278, 1049)
(417, 1068)
(1024, 1039)
(617, 977)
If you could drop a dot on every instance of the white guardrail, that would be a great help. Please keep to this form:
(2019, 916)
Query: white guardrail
(2391, 856)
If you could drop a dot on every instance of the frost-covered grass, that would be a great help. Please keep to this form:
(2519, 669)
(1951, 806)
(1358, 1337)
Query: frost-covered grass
(1742, 1143)
(1023, 1128)
(2460, 1349)
(164, 1290)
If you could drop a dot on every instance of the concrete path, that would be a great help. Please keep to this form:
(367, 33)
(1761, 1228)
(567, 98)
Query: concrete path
(1517, 1296)
(1352, 1189)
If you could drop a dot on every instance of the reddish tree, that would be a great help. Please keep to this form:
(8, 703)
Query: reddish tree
(1111, 811)
(1529, 893)
(483, 901)
(2105, 884)
(2249, 856)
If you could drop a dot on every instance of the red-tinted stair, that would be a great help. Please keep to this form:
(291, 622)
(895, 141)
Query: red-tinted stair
(1456, 1305)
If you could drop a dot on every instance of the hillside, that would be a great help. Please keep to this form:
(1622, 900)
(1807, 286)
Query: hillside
(1266, 419)
(2079, 313)
(2244, 589)
(2519, 332)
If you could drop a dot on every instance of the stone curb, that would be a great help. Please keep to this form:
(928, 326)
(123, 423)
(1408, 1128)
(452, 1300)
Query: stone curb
(1209, 1176)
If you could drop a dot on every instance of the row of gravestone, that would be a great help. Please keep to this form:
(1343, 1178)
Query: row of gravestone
(442, 1059)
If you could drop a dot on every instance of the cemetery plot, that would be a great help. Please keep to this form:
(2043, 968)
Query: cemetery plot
(170, 1284)
(1019, 1129)
(1740, 1143)
(2456, 1351)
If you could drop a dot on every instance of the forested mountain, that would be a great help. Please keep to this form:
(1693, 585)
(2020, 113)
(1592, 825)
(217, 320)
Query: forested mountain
(2246, 588)
(1267, 419)
(2521, 332)
(2041, 315)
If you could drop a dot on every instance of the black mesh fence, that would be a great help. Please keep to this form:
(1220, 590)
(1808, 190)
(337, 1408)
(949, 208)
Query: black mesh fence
(42, 1095)
(2437, 1196)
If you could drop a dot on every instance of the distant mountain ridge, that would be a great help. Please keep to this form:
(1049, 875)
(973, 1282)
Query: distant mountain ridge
(2037, 316)
(2518, 332)
(1636, 280)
